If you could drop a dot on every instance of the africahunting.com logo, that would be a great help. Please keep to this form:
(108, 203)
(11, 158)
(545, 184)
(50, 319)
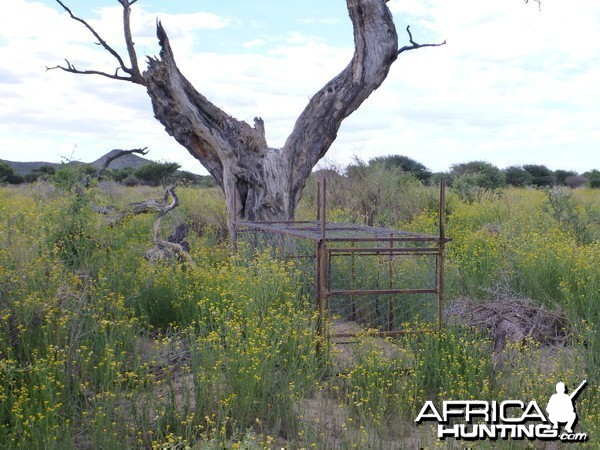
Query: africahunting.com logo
(509, 419)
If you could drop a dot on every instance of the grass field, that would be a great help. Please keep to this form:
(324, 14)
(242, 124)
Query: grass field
(100, 349)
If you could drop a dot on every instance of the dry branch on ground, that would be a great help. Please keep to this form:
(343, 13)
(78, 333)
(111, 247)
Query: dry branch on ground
(510, 319)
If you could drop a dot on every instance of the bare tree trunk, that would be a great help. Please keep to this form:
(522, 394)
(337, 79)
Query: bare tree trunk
(268, 182)
(260, 182)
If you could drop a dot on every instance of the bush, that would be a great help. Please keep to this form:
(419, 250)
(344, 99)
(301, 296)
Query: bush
(120, 174)
(480, 174)
(195, 179)
(130, 181)
(540, 175)
(156, 174)
(575, 181)
(7, 174)
(403, 164)
(593, 177)
(517, 176)
(476, 180)
(561, 176)
(42, 173)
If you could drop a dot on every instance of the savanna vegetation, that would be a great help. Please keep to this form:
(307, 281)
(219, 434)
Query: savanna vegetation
(100, 348)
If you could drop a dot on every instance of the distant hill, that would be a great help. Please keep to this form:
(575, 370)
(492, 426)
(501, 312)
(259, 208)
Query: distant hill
(133, 161)
(24, 167)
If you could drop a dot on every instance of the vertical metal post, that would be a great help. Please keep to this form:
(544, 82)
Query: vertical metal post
(322, 264)
(319, 289)
(323, 208)
(352, 285)
(440, 258)
(390, 312)
(318, 200)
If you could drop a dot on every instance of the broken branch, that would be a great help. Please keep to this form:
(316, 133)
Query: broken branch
(162, 245)
(72, 69)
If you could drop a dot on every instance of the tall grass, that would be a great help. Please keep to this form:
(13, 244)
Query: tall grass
(99, 349)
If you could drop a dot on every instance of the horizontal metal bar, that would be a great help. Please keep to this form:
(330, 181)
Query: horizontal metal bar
(380, 333)
(386, 250)
(413, 238)
(273, 222)
(380, 291)
(385, 253)
(289, 232)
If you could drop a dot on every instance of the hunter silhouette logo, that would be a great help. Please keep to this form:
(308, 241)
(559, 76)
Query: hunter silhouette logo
(508, 419)
(560, 407)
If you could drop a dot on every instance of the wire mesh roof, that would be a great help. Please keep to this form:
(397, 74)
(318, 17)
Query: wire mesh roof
(335, 231)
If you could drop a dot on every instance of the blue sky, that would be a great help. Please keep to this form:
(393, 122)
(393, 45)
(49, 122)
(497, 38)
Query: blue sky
(514, 85)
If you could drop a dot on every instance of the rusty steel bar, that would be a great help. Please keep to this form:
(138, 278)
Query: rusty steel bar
(352, 283)
(320, 294)
(311, 229)
(390, 312)
(414, 238)
(318, 200)
(440, 259)
(380, 333)
(322, 263)
(324, 209)
(280, 231)
(380, 291)
(384, 250)
(270, 223)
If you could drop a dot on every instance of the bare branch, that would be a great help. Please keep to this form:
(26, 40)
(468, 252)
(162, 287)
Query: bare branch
(101, 41)
(111, 158)
(169, 192)
(166, 244)
(135, 69)
(72, 69)
(135, 75)
(414, 45)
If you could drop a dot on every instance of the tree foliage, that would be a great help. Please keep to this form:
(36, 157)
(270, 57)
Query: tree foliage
(7, 174)
(560, 176)
(476, 180)
(517, 176)
(156, 173)
(404, 164)
(593, 177)
(540, 175)
(120, 174)
(482, 174)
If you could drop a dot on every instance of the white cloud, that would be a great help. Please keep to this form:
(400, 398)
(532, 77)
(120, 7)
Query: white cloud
(254, 43)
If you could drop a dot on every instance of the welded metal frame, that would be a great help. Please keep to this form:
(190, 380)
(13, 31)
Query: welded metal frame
(328, 238)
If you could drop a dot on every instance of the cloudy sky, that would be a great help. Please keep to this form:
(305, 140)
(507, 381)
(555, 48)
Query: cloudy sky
(514, 85)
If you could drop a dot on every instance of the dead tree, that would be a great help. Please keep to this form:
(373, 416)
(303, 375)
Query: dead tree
(264, 183)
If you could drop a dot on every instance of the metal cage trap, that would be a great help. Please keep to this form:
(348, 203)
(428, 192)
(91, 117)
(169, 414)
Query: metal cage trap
(364, 279)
